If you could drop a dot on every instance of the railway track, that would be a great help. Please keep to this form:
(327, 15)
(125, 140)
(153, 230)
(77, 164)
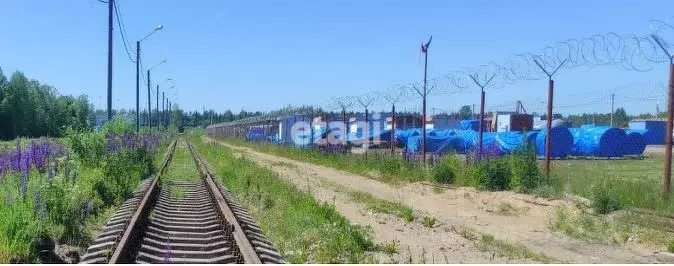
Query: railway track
(202, 223)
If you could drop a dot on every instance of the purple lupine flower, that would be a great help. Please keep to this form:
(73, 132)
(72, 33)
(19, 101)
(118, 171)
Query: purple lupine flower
(36, 202)
(113, 144)
(59, 151)
(39, 156)
(16, 157)
(128, 141)
(3, 165)
(167, 254)
(24, 183)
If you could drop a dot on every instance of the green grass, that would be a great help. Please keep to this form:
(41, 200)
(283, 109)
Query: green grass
(390, 248)
(303, 230)
(487, 243)
(379, 166)
(618, 229)
(633, 182)
(71, 210)
(428, 221)
(630, 183)
(382, 206)
(177, 192)
(508, 209)
(181, 167)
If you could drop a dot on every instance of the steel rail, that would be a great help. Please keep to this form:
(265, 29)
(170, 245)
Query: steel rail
(122, 247)
(246, 249)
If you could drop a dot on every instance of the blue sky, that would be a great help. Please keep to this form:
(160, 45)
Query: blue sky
(262, 55)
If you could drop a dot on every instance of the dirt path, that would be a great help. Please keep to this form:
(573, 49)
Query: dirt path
(461, 207)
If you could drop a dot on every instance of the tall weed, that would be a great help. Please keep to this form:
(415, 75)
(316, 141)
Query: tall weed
(448, 170)
(524, 169)
(491, 174)
(605, 199)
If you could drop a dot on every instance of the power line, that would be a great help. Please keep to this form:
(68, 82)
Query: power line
(122, 32)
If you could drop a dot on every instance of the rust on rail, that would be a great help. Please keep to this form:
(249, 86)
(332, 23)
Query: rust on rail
(120, 253)
(245, 247)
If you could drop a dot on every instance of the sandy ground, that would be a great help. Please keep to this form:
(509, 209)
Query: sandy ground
(654, 150)
(457, 207)
(415, 243)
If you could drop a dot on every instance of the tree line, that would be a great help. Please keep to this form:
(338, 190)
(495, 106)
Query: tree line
(31, 109)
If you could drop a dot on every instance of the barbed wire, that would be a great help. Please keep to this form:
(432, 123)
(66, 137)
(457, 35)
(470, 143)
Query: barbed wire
(630, 52)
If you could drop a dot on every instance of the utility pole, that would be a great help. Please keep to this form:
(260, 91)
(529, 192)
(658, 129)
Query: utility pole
(163, 109)
(612, 110)
(149, 110)
(111, 4)
(159, 27)
(424, 93)
(157, 107)
(137, 87)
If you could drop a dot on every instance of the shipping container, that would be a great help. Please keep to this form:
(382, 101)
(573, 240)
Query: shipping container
(514, 122)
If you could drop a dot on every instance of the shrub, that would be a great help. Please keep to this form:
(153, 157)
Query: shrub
(390, 166)
(118, 126)
(524, 169)
(491, 174)
(549, 191)
(670, 247)
(448, 170)
(428, 221)
(89, 148)
(605, 200)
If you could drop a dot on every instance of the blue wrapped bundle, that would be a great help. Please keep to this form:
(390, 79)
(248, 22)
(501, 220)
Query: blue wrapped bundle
(440, 144)
(513, 140)
(599, 141)
(634, 143)
(560, 143)
(531, 137)
(403, 134)
(467, 141)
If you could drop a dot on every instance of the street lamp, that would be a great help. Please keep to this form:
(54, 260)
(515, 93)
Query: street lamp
(158, 28)
(149, 108)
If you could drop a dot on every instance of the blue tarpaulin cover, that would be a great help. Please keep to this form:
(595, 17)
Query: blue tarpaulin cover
(459, 141)
(513, 140)
(531, 137)
(634, 143)
(560, 143)
(601, 141)
(403, 134)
